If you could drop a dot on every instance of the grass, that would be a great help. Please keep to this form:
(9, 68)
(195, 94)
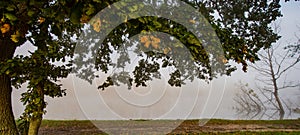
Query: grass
(255, 133)
(186, 127)
(66, 123)
(262, 122)
(211, 121)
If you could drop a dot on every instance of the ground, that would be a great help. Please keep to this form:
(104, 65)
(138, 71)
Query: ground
(214, 126)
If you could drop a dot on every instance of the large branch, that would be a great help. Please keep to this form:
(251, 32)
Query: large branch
(289, 86)
(287, 68)
(281, 62)
(261, 70)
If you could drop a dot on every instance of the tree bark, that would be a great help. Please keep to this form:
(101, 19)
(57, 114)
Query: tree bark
(35, 125)
(274, 81)
(281, 109)
(7, 120)
(36, 120)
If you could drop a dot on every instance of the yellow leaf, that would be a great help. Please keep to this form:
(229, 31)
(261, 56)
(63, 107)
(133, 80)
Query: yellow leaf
(15, 37)
(224, 61)
(192, 21)
(144, 39)
(84, 19)
(41, 20)
(126, 19)
(5, 28)
(154, 39)
(154, 42)
(155, 45)
(147, 44)
(3, 19)
(167, 50)
(245, 51)
(97, 25)
(251, 59)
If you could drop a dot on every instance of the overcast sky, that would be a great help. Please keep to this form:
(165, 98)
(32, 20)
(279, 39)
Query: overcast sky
(161, 101)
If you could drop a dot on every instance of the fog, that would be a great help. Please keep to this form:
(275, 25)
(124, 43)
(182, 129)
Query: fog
(160, 101)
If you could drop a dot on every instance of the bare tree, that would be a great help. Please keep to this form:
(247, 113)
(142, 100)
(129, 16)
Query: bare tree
(249, 104)
(272, 79)
(273, 67)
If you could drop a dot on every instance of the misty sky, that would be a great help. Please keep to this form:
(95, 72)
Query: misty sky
(159, 100)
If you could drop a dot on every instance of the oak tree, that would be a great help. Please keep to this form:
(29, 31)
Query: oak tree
(49, 26)
(242, 27)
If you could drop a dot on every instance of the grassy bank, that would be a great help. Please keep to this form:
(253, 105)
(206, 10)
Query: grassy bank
(214, 126)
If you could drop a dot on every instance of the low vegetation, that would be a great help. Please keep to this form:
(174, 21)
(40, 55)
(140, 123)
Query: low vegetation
(214, 126)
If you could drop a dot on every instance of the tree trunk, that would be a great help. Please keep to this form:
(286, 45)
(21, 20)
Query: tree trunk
(276, 95)
(7, 120)
(35, 125)
(274, 81)
(36, 121)
(281, 109)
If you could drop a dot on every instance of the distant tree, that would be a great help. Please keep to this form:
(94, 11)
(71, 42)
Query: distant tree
(295, 51)
(248, 101)
(273, 71)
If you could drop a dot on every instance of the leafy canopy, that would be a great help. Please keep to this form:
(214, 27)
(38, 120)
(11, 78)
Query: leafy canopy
(241, 27)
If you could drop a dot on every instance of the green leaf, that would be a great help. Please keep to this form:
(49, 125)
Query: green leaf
(157, 24)
(10, 8)
(75, 17)
(90, 10)
(76, 14)
(141, 20)
(10, 16)
(98, 1)
(7, 72)
(37, 101)
(133, 8)
(30, 13)
(165, 64)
